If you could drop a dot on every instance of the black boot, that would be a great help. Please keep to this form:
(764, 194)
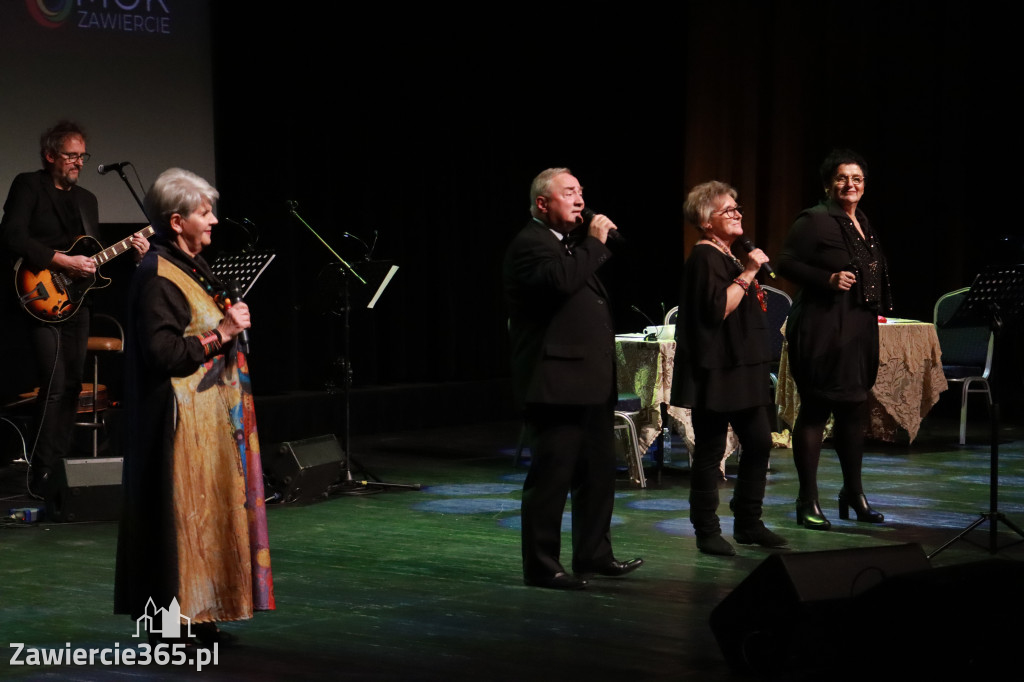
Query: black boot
(860, 505)
(810, 516)
(748, 529)
(704, 517)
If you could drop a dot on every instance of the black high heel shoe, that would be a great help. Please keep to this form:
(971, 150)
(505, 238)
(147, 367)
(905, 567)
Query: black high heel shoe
(810, 516)
(860, 505)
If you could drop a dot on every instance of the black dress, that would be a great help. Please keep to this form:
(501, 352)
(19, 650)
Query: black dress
(833, 335)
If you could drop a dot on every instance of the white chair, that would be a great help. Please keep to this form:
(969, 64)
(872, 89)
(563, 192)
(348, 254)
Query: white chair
(966, 353)
(626, 409)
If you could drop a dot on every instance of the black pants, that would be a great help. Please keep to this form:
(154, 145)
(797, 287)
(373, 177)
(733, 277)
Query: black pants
(572, 450)
(59, 353)
(710, 431)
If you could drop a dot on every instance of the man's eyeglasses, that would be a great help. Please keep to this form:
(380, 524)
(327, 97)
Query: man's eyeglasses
(74, 158)
(857, 180)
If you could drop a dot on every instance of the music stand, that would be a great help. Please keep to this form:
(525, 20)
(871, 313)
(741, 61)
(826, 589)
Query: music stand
(360, 286)
(997, 292)
(244, 267)
(339, 278)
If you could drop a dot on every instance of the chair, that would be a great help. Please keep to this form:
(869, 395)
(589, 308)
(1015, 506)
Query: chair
(671, 315)
(99, 345)
(626, 408)
(966, 353)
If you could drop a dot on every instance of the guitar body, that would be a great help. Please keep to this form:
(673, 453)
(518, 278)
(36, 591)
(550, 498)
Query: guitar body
(53, 296)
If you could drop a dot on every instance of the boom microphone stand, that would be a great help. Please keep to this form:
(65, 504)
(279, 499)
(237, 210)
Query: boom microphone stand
(349, 485)
(103, 169)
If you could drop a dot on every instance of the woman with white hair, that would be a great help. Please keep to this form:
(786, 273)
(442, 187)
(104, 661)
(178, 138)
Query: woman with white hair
(721, 370)
(193, 528)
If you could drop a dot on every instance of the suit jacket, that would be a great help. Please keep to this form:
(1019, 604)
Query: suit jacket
(38, 221)
(560, 325)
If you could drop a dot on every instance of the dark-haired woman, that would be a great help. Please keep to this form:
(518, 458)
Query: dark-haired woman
(835, 257)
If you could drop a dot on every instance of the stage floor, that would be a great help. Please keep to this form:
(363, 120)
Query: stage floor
(426, 584)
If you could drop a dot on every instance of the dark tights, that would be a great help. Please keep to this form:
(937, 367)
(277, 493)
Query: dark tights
(847, 437)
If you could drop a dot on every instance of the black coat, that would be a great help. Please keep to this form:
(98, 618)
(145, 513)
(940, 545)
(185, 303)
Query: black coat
(560, 325)
(832, 336)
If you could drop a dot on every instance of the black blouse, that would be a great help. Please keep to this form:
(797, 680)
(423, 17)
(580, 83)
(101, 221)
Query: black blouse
(720, 364)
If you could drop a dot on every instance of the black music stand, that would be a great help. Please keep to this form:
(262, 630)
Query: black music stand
(244, 267)
(996, 293)
(239, 271)
(362, 285)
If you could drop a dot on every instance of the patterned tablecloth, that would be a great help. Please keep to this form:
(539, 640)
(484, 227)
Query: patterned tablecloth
(909, 380)
(645, 368)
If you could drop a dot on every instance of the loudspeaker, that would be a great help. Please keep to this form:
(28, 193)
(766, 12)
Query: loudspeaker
(958, 621)
(789, 613)
(86, 489)
(303, 470)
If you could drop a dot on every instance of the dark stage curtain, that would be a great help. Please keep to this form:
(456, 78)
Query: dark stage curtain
(429, 132)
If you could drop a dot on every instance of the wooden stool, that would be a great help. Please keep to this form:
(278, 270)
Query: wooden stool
(94, 397)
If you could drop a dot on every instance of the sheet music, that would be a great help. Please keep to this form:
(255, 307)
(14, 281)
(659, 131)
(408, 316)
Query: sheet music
(380, 290)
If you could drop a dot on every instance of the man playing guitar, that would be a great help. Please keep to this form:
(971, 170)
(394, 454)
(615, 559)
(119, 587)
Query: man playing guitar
(44, 213)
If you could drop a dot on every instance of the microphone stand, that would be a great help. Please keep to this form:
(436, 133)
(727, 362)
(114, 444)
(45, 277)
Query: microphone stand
(120, 171)
(348, 484)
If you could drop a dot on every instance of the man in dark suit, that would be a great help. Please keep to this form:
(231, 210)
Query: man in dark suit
(563, 371)
(45, 212)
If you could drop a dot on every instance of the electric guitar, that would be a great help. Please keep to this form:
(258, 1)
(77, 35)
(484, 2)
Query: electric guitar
(54, 296)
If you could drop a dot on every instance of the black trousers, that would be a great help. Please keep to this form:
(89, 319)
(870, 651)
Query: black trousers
(59, 352)
(710, 431)
(572, 451)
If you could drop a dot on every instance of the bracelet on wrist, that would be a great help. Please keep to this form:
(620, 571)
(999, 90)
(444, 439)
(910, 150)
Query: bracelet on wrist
(743, 285)
(211, 340)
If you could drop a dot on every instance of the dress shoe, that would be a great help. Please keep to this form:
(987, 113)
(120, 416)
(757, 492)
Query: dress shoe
(860, 505)
(715, 545)
(558, 581)
(810, 516)
(613, 568)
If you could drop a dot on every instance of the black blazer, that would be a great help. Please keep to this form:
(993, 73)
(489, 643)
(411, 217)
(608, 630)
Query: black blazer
(560, 325)
(37, 220)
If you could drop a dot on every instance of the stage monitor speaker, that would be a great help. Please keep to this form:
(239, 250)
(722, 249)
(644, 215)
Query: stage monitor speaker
(789, 613)
(86, 489)
(303, 470)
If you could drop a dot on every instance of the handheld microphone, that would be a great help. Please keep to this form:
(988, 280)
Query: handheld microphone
(749, 246)
(588, 214)
(105, 168)
(235, 292)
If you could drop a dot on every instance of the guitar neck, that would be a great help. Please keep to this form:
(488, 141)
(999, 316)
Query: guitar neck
(120, 247)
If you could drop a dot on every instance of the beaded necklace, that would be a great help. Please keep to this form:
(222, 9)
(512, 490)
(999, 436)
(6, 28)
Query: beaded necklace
(202, 280)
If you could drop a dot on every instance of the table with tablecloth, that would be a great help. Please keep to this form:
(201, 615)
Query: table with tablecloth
(909, 381)
(644, 367)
